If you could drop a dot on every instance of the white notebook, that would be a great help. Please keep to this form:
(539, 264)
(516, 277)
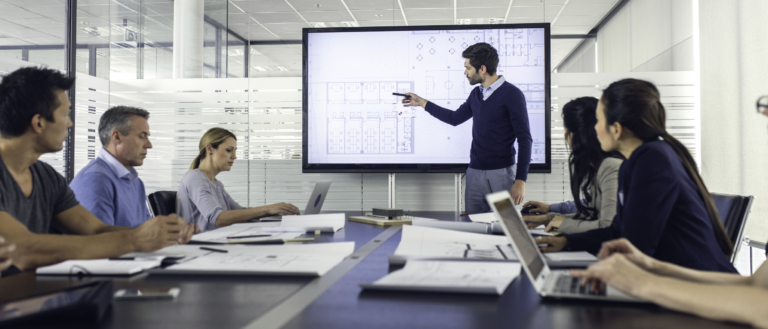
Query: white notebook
(327, 223)
(304, 260)
(244, 233)
(99, 267)
(418, 242)
(450, 276)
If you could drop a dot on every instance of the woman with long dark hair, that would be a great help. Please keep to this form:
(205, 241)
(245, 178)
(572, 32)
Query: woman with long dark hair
(664, 207)
(718, 296)
(594, 175)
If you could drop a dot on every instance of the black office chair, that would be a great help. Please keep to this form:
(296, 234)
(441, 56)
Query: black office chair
(733, 210)
(162, 203)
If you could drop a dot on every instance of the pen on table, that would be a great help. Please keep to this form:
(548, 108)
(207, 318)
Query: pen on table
(487, 181)
(249, 236)
(214, 249)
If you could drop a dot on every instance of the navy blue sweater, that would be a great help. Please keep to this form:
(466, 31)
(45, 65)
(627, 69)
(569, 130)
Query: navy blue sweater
(661, 212)
(497, 122)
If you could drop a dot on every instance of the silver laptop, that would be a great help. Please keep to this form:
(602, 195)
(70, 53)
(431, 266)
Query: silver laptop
(315, 203)
(317, 198)
(548, 283)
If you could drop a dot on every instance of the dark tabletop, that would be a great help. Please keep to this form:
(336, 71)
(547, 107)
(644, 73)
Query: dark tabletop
(236, 301)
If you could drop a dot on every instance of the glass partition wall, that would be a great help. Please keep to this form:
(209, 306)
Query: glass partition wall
(124, 56)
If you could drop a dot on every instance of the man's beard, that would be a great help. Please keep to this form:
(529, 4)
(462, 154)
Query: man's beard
(475, 79)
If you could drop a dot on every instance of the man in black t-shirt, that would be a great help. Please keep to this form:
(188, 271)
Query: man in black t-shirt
(34, 119)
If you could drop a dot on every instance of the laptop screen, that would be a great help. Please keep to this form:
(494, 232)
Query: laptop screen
(529, 252)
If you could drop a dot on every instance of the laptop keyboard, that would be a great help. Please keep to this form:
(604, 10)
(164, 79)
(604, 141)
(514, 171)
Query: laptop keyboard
(567, 284)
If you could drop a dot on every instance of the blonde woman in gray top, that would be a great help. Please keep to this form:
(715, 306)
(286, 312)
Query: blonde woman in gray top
(202, 198)
(594, 176)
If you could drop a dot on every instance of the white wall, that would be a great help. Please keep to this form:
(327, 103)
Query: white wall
(734, 73)
(643, 36)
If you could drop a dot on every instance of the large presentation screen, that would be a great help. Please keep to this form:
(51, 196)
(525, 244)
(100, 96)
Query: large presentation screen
(353, 123)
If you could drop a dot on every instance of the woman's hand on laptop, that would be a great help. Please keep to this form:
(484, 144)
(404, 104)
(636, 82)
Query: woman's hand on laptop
(553, 243)
(555, 223)
(626, 248)
(616, 271)
(282, 209)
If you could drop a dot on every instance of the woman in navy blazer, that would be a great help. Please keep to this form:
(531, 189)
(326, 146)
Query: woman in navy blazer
(663, 206)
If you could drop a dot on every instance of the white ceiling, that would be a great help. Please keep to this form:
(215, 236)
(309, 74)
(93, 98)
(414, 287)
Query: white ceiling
(41, 22)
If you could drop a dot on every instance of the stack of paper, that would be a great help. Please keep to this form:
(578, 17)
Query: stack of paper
(100, 267)
(327, 223)
(244, 233)
(311, 259)
(437, 244)
(418, 242)
(449, 276)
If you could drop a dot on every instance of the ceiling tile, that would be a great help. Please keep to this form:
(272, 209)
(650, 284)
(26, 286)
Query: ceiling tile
(264, 6)
(311, 5)
(493, 12)
(409, 4)
(428, 14)
(265, 18)
(585, 10)
(526, 11)
(285, 27)
(370, 15)
(483, 4)
(327, 16)
(371, 5)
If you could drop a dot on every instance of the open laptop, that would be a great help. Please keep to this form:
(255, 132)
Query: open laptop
(315, 203)
(548, 283)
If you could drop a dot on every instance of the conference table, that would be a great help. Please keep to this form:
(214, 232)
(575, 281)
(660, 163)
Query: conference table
(335, 300)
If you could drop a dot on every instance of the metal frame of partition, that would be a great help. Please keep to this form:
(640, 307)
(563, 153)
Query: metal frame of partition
(70, 47)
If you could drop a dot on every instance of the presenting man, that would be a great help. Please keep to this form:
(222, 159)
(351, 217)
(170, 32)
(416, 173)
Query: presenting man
(109, 187)
(500, 116)
(34, 119)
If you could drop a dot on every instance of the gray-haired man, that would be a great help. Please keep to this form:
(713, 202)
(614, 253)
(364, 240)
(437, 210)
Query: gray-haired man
(108, 186)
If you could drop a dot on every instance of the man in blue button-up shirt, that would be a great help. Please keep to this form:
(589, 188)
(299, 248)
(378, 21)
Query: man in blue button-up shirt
(109, 186)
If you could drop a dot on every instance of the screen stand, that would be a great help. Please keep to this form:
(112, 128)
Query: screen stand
(457, 193)
(391, 191)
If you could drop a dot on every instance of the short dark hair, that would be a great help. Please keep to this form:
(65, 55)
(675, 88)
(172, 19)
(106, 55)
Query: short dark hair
(481, 54)
(118, 118)
(27, 92)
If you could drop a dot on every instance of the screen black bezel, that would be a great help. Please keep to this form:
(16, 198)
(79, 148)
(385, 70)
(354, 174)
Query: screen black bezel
(306, 167)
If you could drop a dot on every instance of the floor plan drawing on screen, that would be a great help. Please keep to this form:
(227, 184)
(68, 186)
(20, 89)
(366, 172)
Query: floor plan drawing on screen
(363, 118)
(354, 118)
